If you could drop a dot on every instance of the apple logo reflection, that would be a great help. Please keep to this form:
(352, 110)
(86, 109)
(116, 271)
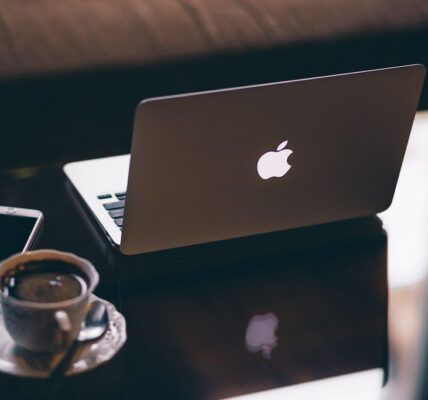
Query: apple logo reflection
(261, 334)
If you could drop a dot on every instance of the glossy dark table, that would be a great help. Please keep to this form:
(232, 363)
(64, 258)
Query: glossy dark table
(194, 315)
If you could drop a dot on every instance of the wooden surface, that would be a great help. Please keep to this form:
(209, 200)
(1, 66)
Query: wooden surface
(188, 311)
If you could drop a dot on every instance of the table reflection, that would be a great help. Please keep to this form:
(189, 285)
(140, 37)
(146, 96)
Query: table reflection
(259, 325)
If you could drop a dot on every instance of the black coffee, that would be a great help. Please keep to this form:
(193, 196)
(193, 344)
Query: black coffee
(44, 282)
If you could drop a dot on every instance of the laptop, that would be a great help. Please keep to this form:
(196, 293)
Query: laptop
(244, 161)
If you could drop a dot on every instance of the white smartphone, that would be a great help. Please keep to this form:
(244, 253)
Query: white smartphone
(19, 228)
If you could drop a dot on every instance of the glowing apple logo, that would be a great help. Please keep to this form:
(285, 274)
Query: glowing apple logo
(274, 163)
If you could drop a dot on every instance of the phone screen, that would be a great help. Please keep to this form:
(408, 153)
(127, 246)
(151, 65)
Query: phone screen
(14, 232)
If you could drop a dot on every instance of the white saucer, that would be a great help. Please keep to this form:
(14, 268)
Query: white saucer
(19, 362)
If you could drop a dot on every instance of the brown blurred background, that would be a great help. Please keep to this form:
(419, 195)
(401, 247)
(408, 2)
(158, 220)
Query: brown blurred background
(73, 71)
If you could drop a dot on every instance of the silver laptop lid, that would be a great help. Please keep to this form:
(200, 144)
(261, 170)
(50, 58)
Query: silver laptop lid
(231, 163)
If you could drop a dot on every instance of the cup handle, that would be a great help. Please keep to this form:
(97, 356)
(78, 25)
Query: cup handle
(64, 324)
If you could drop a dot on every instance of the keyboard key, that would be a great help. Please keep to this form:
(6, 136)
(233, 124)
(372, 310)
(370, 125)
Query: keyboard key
(117, 213)
(119, 222)
(121, 195)
(104, 196)
(115, 205)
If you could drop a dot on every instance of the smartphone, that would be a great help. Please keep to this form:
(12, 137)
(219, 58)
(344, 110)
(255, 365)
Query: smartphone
(19, 228)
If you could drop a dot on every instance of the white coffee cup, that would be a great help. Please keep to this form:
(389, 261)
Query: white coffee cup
(46, 327)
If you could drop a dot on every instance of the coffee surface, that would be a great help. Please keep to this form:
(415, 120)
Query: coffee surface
(44, 282)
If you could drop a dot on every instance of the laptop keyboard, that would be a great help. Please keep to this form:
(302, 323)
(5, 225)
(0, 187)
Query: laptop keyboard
(115, 206)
